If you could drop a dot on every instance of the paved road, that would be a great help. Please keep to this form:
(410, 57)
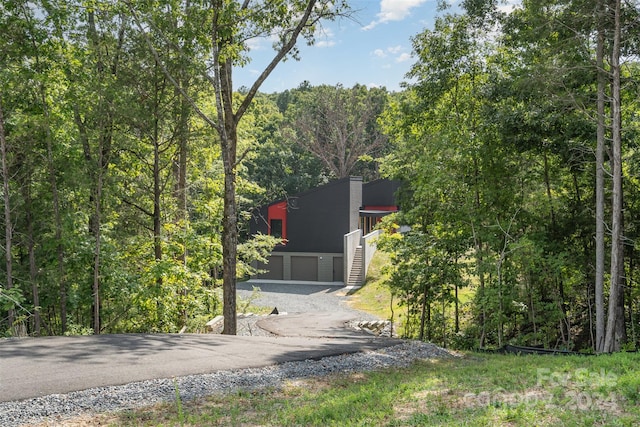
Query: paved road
(39, 366)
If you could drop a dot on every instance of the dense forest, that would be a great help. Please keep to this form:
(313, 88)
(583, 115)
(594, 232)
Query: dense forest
(514, 135)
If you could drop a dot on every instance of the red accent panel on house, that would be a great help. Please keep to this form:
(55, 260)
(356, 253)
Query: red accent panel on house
(381, 208)
(279, 211)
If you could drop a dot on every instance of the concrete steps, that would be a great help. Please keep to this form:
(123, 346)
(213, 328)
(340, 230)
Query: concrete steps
(356, 275)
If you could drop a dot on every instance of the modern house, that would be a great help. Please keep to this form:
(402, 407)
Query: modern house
(326, 231)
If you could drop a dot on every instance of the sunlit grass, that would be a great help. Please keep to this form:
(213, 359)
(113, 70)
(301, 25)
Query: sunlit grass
(475, 390)
(374, 296)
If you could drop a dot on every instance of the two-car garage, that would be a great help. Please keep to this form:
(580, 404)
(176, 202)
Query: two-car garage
(303, 267)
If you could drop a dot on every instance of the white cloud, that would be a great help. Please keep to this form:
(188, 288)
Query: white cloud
(395, 51)
(394, 10)
(404, 57)
(326, 43)
(324, 37)
(254, 44)
(379, 53)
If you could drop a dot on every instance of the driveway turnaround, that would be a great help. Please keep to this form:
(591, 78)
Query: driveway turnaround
(33, 367)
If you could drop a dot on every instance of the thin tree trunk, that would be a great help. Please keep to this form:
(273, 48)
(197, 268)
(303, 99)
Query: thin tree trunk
(57, 219)
(423, 314)
(8, 227)
(230, 239)
(35, 292)
(180, 163)
(479, 258)
(98, 167)
(621, 330)
(444, 321)
(629, 296)
(600, 147)
(610, 343)
(97, 234)
(457, 309)
(157, 192)
(392, 315)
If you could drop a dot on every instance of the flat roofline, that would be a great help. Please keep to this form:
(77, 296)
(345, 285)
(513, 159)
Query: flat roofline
(375, 212)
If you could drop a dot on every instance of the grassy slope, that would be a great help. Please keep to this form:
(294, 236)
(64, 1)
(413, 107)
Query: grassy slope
(374, 297)
(475, 390)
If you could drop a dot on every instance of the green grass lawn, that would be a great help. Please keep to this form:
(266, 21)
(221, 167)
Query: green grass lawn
(474, 390)
(374, 297)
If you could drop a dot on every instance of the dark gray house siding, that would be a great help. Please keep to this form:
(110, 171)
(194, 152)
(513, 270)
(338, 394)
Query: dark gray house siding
(315, 223)
(318, 219)
(381, 192)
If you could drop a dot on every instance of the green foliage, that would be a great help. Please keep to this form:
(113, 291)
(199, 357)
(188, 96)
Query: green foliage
(103, 151)
(10, 299)
(424, 273)
(74, 329)
(493, 138)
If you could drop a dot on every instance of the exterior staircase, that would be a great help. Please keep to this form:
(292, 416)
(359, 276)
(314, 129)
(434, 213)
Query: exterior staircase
(356, 275)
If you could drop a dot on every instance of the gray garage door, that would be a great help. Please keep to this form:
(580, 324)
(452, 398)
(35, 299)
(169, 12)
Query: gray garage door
(304, 268)
(275, 270)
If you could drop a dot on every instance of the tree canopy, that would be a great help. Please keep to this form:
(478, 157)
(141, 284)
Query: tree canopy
(130, 165)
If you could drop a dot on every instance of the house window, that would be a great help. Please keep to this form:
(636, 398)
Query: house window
(275, 226)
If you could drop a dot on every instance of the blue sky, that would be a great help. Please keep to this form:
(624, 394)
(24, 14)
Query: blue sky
(374, 51)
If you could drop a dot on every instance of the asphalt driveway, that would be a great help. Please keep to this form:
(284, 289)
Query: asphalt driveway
(314, 328)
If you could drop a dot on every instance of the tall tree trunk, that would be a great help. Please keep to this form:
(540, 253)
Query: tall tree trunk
(157, 191)
(8, 227)
(600, 148)
(98, 164)
(35, 292)
(57, 220)
(479, 255)
(423, 313)
(610, 342)
(180, 163)
(230, 241)
(230, 230)
(621, 326)
(97, 260)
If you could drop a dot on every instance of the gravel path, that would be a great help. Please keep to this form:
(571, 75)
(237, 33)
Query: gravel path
(61, 409)
(292, 298)
(299, 298)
